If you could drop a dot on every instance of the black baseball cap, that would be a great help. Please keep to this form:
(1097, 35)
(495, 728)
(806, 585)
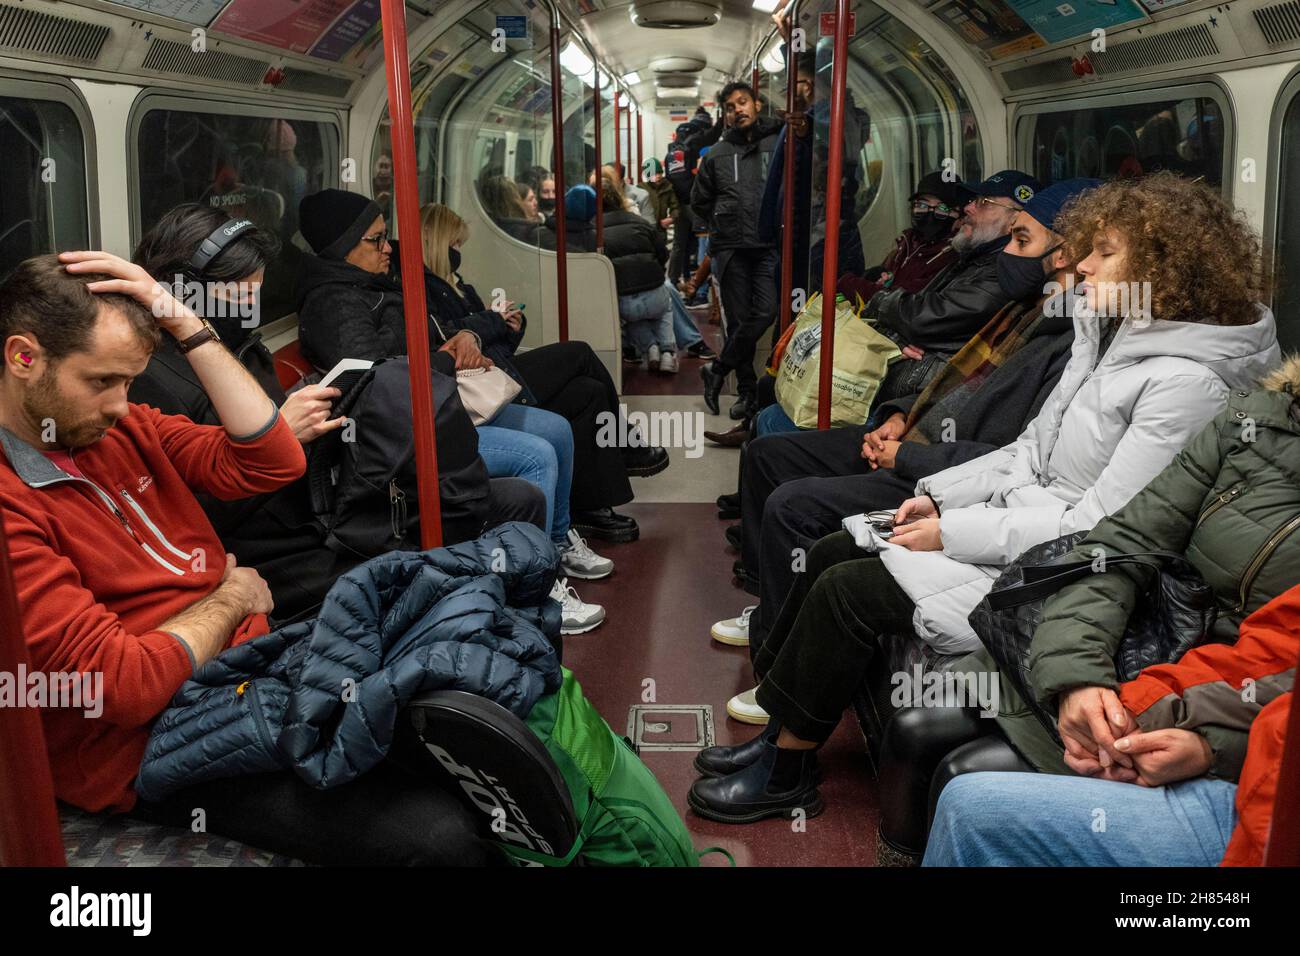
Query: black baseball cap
(1008, 184)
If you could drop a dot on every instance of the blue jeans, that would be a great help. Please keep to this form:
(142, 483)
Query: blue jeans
(1038, 819)
(648, 320)
(773, 420)
(536, 445)
(684, 329)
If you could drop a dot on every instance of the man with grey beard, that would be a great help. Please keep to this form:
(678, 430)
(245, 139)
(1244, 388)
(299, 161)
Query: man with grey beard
(931, 325)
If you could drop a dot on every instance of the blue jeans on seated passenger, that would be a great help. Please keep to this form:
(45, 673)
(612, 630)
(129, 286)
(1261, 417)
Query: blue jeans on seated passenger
(773, 421)
(536, 445)
(648, 320)
(1038, 819)
(685, 330)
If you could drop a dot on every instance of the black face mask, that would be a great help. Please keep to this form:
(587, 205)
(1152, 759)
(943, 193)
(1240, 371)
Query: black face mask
(1022, 277)
(453, 257)
(929, 226)
(546, 205)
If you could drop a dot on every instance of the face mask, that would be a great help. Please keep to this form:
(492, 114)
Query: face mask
(929, 226)
(546, 205)
(453, 256)
(1022, 277)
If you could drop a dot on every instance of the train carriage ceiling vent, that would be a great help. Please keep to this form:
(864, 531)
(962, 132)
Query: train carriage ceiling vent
(677, 81)
(1279, 23)
(676, 14)
(1174, 46)
(168, 56)
(46, 34)
(678, 64)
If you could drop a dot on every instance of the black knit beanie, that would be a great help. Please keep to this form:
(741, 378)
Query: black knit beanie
(334, 221)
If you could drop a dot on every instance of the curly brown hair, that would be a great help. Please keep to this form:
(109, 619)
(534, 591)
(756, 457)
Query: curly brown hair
(1201, 257)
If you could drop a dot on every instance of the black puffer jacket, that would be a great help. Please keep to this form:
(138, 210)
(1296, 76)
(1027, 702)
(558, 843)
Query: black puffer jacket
(637, 250)
(728, 190)
(952, 307)
(346, 312)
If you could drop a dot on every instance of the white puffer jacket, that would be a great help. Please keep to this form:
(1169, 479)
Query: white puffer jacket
(1105, 431)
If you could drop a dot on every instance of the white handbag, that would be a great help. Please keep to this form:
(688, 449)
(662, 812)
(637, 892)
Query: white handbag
(485, 391)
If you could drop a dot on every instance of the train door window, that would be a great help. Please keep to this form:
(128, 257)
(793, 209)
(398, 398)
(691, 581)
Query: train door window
(1286, 217)
(253, 166)
(1130, 135)
(44, 199)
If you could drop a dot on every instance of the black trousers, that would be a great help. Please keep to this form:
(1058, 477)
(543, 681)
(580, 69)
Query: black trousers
(570, 380)
(383, 818)
(748, 281)
(825, 637)
(798, 487)
(684, 244)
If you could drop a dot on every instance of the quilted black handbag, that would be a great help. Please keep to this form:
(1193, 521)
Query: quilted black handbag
(1175, 613)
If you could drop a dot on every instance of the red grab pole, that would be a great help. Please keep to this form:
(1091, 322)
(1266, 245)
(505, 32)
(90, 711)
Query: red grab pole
(600, 189)
(640, 156)
(1283, 848)
(407, 203)
(29, 822)
(834, 186)
(557, 134)
(618, 147)
(790, 180)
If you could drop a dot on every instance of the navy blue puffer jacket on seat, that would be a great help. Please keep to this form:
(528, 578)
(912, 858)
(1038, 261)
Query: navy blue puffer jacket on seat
(322, 697)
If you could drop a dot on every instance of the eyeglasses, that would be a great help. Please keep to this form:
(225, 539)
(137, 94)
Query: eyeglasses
(378, 239)
(939, 209)
(986, 201)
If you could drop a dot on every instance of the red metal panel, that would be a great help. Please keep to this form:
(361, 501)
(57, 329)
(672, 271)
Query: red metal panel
(29, 822)
(1284, 833)
(834, 186)
(406, 201)
(557, 134)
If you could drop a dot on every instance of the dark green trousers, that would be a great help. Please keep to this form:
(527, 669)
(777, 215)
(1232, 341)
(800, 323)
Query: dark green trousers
(825, 636)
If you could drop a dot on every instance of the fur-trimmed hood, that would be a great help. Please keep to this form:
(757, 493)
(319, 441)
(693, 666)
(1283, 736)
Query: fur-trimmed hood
(1284, 378)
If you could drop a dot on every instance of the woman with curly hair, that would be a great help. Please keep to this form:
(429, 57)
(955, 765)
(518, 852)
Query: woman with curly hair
(1184, 273)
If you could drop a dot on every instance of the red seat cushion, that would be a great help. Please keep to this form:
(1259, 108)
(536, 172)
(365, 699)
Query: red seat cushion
(290, 366)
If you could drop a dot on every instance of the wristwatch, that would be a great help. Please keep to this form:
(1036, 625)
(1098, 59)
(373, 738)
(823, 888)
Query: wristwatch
(205, 334)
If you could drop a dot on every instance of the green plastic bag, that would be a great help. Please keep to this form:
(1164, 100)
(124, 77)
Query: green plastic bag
(862, 356)
(625, 818)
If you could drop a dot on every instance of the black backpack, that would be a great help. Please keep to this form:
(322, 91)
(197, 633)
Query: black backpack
(363, 490)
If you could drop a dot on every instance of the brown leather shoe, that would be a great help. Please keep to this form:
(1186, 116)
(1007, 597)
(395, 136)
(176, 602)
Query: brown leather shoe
(730, 439)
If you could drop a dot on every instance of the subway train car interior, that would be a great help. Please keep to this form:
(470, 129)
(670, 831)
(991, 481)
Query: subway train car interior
(723, 433)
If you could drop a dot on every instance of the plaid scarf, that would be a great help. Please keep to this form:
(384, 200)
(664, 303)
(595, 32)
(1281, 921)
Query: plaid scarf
(966, 371)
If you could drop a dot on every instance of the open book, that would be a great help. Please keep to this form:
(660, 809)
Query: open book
(344, 375)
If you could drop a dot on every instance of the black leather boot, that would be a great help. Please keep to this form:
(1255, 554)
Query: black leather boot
(729, 506)
(778, 783)
(605, 523)
(713, 382)
(644, 461)
(720, 761)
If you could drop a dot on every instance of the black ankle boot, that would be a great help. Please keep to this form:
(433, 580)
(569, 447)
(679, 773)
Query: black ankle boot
(720, 761)
(606, 524)
(778, 783)
(644, 461)
(713, 381)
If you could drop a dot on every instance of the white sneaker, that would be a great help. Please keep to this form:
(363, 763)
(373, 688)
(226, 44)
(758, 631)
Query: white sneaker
(652, 356)
(579, 561)
(668, 362)
(744, 708)
(577, 617)
(734, 630)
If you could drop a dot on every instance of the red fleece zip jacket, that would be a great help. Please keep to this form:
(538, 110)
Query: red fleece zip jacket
(95, 585)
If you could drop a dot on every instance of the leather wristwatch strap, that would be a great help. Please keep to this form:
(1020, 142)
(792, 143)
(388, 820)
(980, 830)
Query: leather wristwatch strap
(205, 334)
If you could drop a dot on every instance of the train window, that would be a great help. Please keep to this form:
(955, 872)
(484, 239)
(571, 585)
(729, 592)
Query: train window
(255, 166)
(1286, 251)
(44, 202)
(1123, 137)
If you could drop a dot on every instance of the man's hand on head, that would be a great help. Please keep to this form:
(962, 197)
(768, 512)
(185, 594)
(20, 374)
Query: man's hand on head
(130, 279)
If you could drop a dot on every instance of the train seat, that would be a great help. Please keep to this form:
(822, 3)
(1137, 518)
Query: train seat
(103, 839)
(290, 366)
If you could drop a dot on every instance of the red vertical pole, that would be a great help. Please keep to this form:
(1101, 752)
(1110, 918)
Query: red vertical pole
(640, 156)
(834, 186)
(29, 822)
(1283, 847)
(406, 201)
(618, 147)
(557, 133)
(789, 180)
(600, 192)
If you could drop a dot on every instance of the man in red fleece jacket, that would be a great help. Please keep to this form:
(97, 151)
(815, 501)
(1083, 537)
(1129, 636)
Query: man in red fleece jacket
(118, 571)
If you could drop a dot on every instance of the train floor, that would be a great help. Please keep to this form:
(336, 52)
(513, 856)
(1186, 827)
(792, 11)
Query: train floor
(655, 674)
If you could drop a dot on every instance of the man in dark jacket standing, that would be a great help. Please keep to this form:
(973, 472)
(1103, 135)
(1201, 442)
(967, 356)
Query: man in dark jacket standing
(728, 194)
